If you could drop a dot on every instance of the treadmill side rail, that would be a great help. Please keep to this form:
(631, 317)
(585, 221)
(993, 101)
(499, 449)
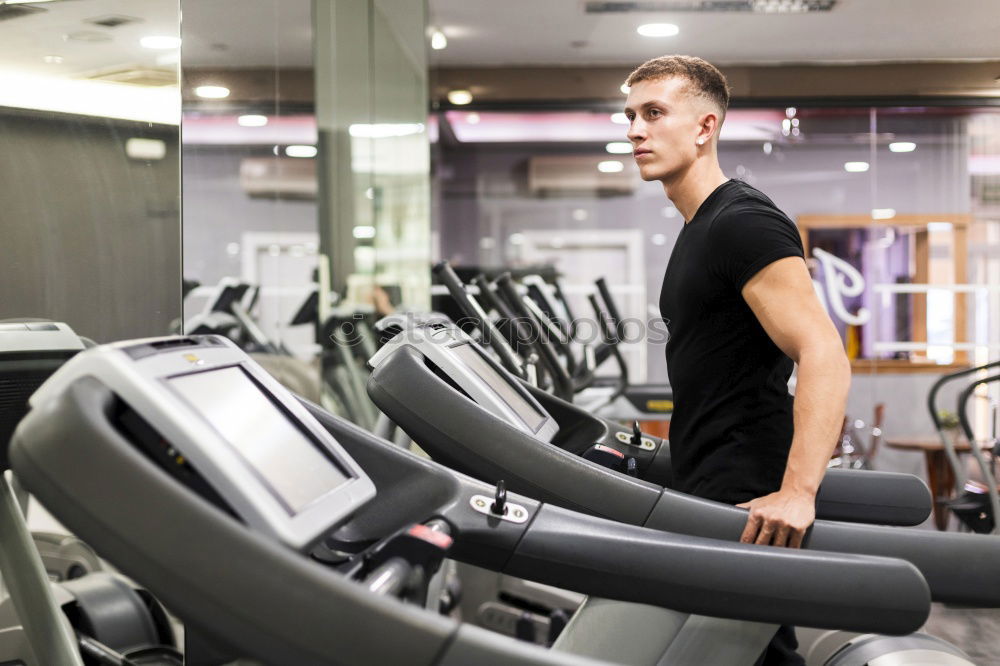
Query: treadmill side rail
(708, 577)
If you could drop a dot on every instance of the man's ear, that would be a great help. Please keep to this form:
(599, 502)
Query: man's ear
(708, 126)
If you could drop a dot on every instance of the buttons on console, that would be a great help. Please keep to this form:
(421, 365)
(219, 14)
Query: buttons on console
(514, 513)
(626, 438)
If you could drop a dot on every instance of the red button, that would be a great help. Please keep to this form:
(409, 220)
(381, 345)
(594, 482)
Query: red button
(606, 449)
(424, 533)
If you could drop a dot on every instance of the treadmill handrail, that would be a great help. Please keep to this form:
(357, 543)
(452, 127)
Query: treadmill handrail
(949, 446)
(722, 579)
(474, 311)
(988, 478)
(562, 382)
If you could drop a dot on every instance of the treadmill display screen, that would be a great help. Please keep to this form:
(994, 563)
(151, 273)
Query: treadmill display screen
(292, 466)
(499, 383)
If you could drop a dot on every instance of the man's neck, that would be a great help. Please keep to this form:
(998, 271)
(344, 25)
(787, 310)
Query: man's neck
(690, 189)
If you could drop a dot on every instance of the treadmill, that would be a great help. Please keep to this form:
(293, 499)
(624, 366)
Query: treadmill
(281, 533)
(440, 405)
(422, 351)
(884, 498)
(58, 606)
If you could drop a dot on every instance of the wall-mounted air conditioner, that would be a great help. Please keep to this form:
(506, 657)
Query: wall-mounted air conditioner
(575, 174)
(285, 177)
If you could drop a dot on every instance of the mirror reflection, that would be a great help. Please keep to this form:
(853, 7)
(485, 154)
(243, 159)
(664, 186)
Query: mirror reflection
(89, 166)
(306, 186)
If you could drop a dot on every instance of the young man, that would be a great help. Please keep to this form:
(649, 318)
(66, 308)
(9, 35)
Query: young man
(740, 307)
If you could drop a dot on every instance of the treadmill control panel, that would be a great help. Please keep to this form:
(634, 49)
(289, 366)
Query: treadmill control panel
(214, 420)
(465, 365)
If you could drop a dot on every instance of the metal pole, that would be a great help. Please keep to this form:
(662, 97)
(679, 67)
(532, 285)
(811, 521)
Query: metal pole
(47, 630)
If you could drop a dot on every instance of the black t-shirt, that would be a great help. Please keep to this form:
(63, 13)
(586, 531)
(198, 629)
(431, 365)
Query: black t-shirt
(731, 428)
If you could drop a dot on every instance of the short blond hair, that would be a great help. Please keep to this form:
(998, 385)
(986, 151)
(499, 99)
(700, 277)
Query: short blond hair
(705, 79)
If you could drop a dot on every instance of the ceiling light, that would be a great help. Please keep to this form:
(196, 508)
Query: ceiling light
(459, 97)
(658, 30)
(52, 60)
(855, 167)
(939, 226)
(902, 146)
(212, 92)
(473, 118)
(145, 149)
(438, 40)
(610, 166)
(791, 111)
(364, 231)
(252, 120)
(300, 151)
(768, 147)
(384, 130)
(160, 42)
(619, 147)
(624, 88)
(883, 213)
(619, 119)
(90, 98)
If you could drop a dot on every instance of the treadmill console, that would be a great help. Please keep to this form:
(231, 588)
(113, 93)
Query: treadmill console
(464, 364)
(222, 416)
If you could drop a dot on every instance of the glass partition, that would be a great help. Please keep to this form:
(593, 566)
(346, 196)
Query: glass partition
(306, 182)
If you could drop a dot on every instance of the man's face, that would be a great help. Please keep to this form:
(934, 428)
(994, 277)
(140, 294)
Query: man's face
(664, 127)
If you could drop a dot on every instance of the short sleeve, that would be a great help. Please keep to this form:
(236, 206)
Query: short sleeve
(743, 243)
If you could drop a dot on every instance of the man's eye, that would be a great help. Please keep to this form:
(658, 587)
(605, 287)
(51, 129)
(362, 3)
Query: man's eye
(654, 113)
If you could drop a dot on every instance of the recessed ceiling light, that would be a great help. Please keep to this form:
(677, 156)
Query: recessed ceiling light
(939, 226)
(883, 213)
(252, 120)
(902, 146)
(624, 89)
(364, 231)
(52, 60)
(658, 30)
(145, 149)
(855, 167)
(212, 92)
(619, 119)
(610, 166)
(160, 42)
(300, 151)
(460, 97)
(619, 147)
(473, 118)
(438, 40)
(87, 36)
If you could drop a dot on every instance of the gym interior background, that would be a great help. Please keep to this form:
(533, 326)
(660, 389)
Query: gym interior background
(355, 142)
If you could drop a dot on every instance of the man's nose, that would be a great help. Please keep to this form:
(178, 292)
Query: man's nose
(636, 131)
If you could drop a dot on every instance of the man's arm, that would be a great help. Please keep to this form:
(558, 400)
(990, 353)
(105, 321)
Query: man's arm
(782, 297)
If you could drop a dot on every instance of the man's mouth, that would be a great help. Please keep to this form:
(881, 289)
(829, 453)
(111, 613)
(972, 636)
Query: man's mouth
(639, 152)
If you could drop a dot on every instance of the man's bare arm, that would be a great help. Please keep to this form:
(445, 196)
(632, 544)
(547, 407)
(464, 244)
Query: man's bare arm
(783, 298)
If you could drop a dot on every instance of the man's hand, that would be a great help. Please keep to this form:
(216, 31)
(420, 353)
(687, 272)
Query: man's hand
(779, 519)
